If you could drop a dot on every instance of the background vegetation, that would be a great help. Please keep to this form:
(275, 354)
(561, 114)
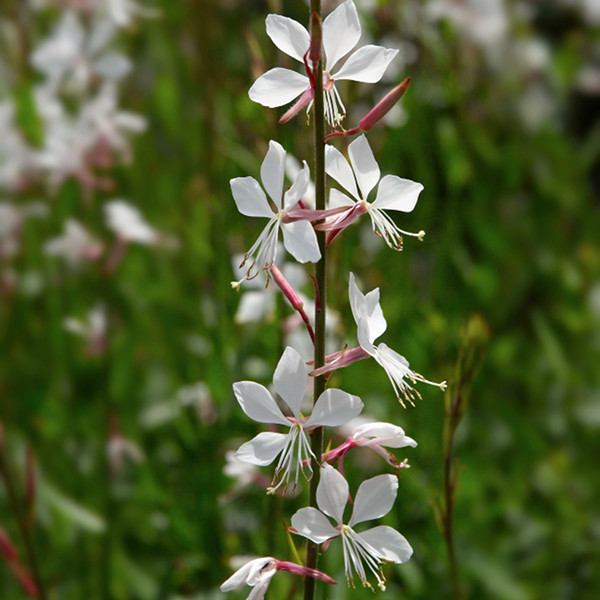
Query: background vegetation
(503, 131)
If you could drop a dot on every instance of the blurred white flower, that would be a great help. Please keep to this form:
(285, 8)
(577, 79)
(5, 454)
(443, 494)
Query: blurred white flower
(92, 329)
(127, 223)
(75, 245)
(72, 58)
(12, 217)
(15, 155)
(198, 396)
(483, 22)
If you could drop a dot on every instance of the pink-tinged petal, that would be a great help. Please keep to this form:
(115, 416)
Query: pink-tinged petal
(384, 434)
(290, 379)
(333, 408)
(364, 164)
(262, 449)
(300, 241)
(278, 87)
(339, 360)
(374, 498)
(395, 193)
(341, 32)
(313, 525)
(388, 543)
(288, 35)
(305, 99)
(272, 171)
(367, 64)
(284, 565)
(332, 493)
(337, 166)
(298, 189)
(247, 574)
(250, 198)
(257, 403)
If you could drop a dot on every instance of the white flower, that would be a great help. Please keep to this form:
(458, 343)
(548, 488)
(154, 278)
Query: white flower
(299, 237)
(393, 193)
(374, 498)
(72, 56)
(92, 329)
(127, 222)
(74, 245)
(371, 324)
(256, 573)
(333, 408)
(341, 33)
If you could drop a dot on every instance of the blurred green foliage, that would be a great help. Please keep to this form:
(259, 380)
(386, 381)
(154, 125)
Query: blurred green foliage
(512, 219)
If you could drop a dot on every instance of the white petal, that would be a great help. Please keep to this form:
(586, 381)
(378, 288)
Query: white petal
(395, 193)
(278, 87)
(385, 434)
(254, 306)
(337, 166)
(272, 171)
(112, 66)
(257, 403)
(262, 449)
(367, 64)
(368, 309)
(313, 525)
(375, 498)
(364, 164)
(338, 199)
(250, 198)
(288, 35)
(365, 337)
(290, 379)
(300, 241)
(341, 32)
(333, 408)
(298, 189)
(389, 544)
(332, 493)
(246, 573)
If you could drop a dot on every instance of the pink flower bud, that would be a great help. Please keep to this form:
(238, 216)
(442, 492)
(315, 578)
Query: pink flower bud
(316, 38)
(383, 106)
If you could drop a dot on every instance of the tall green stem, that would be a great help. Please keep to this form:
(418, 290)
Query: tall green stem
(321, 282)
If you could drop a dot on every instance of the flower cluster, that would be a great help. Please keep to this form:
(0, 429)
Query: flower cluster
(308, 225)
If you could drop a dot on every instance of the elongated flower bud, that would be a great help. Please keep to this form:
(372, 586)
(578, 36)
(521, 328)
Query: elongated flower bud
(383, 106)
(316, 38)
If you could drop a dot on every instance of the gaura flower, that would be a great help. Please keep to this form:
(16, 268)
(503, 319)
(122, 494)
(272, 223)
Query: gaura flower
(299, 237)
(374, 498)
(393, 193)
(333, 408)
(377, 436)
(75, 245)
(257, 573)
(371, 324)
(341, 33)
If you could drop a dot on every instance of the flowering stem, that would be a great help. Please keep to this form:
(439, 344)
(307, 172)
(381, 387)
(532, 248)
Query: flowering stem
(21, 518)
(320, 275)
